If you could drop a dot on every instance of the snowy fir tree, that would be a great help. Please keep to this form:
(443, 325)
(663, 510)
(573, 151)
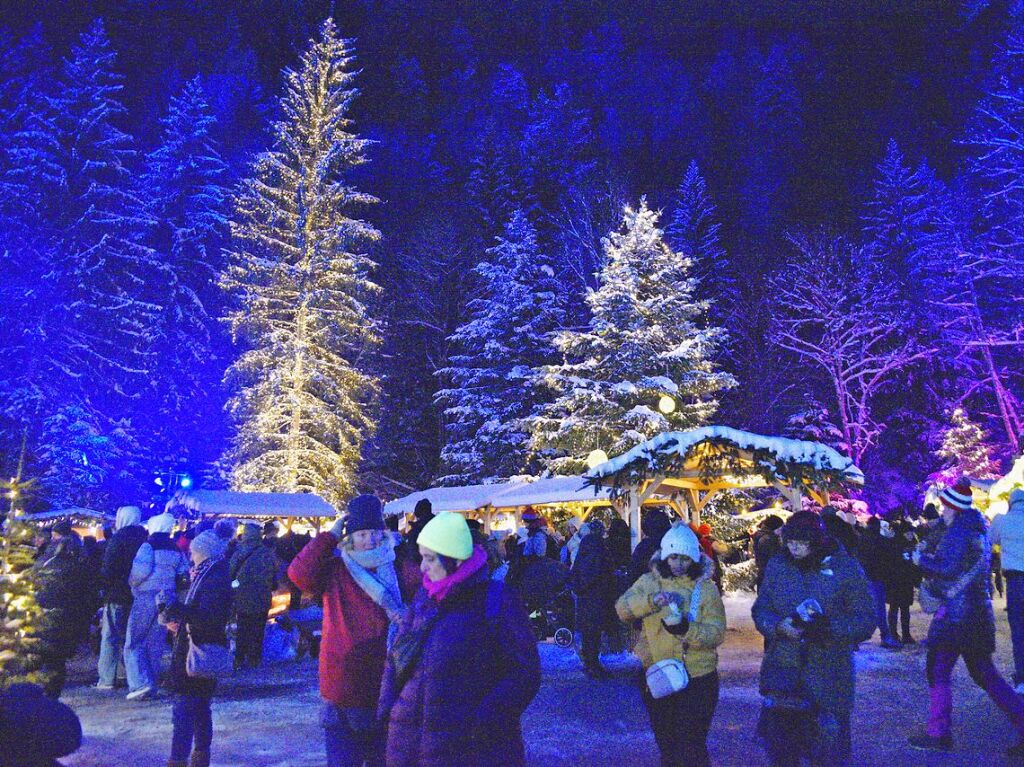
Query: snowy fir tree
(299, 279)
(964, 451)
(184, 182)
(643, 344)
(694, 232)
(907, 226)
(88, 313)
(21, 618)
(983, 316)
(493, 387)
(815, 423)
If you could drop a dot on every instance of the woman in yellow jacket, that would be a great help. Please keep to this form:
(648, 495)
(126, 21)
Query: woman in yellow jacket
(664, 601)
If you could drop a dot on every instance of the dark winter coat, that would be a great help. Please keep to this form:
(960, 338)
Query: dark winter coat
(654, 526)
(899, 589)
(254, 567)
(117, 563)
(355, 628)
(964, 623)
(201, 619)
(876, 555)
(767, 545)
(475, 677)
(60, 578)
(820, 671)
(592, 578)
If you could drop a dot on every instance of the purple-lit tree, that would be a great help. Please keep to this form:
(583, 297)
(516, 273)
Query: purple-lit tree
(835, 313)
(984, 318)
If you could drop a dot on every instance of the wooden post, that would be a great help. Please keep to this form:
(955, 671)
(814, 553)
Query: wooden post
(488, 515)
(632, 515)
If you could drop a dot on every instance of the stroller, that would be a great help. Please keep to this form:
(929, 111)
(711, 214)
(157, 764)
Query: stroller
(555, 618)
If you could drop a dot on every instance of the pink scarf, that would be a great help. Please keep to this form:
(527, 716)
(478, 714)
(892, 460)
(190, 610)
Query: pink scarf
(438, 590)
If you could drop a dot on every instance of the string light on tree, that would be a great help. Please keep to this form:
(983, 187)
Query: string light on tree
(666, 404)
(596, 458)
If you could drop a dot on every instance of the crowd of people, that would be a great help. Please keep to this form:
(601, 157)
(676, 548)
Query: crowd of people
(429, 656)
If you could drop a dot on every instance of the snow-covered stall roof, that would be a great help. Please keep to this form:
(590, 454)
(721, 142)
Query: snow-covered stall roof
(76, 512)
(548, 491)
(776, 456)
(462, 499)
(226, 503)
(502, 495)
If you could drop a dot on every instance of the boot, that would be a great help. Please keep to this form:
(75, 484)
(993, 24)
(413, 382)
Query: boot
(892, 628)
(200, 759)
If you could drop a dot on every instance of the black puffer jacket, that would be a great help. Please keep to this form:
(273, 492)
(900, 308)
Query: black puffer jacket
(117, 563)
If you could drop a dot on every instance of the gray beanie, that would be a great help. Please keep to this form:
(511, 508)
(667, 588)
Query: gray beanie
(206, 545)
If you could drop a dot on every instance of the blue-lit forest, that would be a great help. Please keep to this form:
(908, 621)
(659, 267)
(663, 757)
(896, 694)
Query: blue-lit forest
(456, 242)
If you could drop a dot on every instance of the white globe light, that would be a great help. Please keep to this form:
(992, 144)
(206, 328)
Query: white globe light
(596, 458)
(666, 404)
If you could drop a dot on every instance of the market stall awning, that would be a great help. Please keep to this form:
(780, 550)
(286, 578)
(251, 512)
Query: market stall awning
(227, 503)
(462, 499)
(504, 496)
(48, 518)
(720, 457)
(695, 465)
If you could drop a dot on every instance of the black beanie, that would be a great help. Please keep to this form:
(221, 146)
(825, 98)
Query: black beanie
(423, 509)
(365, 512)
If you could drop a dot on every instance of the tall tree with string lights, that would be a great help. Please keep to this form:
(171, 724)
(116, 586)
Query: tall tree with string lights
(299, 281)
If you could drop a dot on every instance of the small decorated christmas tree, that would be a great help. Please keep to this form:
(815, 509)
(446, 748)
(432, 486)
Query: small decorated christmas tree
(20, 615)
(965, 451)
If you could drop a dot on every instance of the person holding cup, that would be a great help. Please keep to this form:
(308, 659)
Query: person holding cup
(813, 608)
(683, 623)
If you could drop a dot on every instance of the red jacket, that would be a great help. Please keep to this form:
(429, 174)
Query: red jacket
(355, 628)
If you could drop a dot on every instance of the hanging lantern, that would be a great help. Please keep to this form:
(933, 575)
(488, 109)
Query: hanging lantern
(666, 404)
(596, 458)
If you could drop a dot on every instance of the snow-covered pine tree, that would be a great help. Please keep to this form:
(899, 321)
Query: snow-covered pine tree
(493, 386)
(983, 315)
(907, 226)
(693, 231)
(643, 342)
(93, 310)
(964, 451)
(814, 423)
(184, 182)
(300, 282)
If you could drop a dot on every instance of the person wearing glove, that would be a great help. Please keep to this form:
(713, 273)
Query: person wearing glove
(662, 600)
(364, 595)
(813, 608)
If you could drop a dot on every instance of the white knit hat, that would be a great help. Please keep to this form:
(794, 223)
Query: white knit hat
(680, 540)
(161, 523)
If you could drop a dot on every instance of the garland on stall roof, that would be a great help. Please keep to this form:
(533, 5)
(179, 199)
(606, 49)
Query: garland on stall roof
(722, 459)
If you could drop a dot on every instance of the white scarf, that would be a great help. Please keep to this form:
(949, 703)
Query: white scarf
(374, 571)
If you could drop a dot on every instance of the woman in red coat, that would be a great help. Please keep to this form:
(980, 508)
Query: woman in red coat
(353, 566)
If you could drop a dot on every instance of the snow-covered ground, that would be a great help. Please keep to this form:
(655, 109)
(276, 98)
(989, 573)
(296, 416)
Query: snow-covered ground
(269, 718)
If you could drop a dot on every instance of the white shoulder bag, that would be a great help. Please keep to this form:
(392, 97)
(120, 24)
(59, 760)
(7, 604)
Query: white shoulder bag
(669, 676)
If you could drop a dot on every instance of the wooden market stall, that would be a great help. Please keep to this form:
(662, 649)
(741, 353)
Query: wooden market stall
(489, 502)
(688, 468)
(83, 521)
(287, 509)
